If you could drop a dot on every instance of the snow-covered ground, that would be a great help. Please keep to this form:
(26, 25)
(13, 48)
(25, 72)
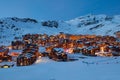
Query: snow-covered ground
(90, 68)
(89, 24)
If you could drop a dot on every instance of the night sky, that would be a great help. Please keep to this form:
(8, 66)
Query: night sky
(57, 9)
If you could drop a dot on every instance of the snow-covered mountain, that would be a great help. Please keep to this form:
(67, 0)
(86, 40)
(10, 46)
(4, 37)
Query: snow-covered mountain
(90, 24)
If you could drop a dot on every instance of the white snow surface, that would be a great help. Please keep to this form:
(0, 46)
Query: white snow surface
(99, 68)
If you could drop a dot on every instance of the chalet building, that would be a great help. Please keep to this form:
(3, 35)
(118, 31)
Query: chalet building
(4, 54)
(29, 55)
(58, 55)
(31, 48)
(3, 51)
(17, 45)
(62, 35)
(26, 59)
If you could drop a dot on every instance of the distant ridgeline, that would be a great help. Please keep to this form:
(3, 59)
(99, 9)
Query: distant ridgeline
(24, 20)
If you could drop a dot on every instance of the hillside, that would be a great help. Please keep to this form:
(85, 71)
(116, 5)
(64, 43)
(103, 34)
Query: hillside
(90, 24)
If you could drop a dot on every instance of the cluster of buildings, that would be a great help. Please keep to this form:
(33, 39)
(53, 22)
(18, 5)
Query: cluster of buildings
(91, 45)
(57, 47)
(29, 52)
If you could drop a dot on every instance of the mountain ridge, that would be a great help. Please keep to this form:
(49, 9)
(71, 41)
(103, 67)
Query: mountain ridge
(11, 27)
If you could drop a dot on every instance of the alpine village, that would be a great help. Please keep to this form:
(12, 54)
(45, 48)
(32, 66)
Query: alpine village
(25, 51)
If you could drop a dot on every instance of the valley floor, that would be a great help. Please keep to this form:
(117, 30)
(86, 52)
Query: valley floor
(89, 68)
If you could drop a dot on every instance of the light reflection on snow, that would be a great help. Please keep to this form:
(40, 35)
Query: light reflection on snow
(41, 60)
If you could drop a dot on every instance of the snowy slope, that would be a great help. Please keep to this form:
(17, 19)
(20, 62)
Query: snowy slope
(97, 24)
(99, 69)
(89, 24)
